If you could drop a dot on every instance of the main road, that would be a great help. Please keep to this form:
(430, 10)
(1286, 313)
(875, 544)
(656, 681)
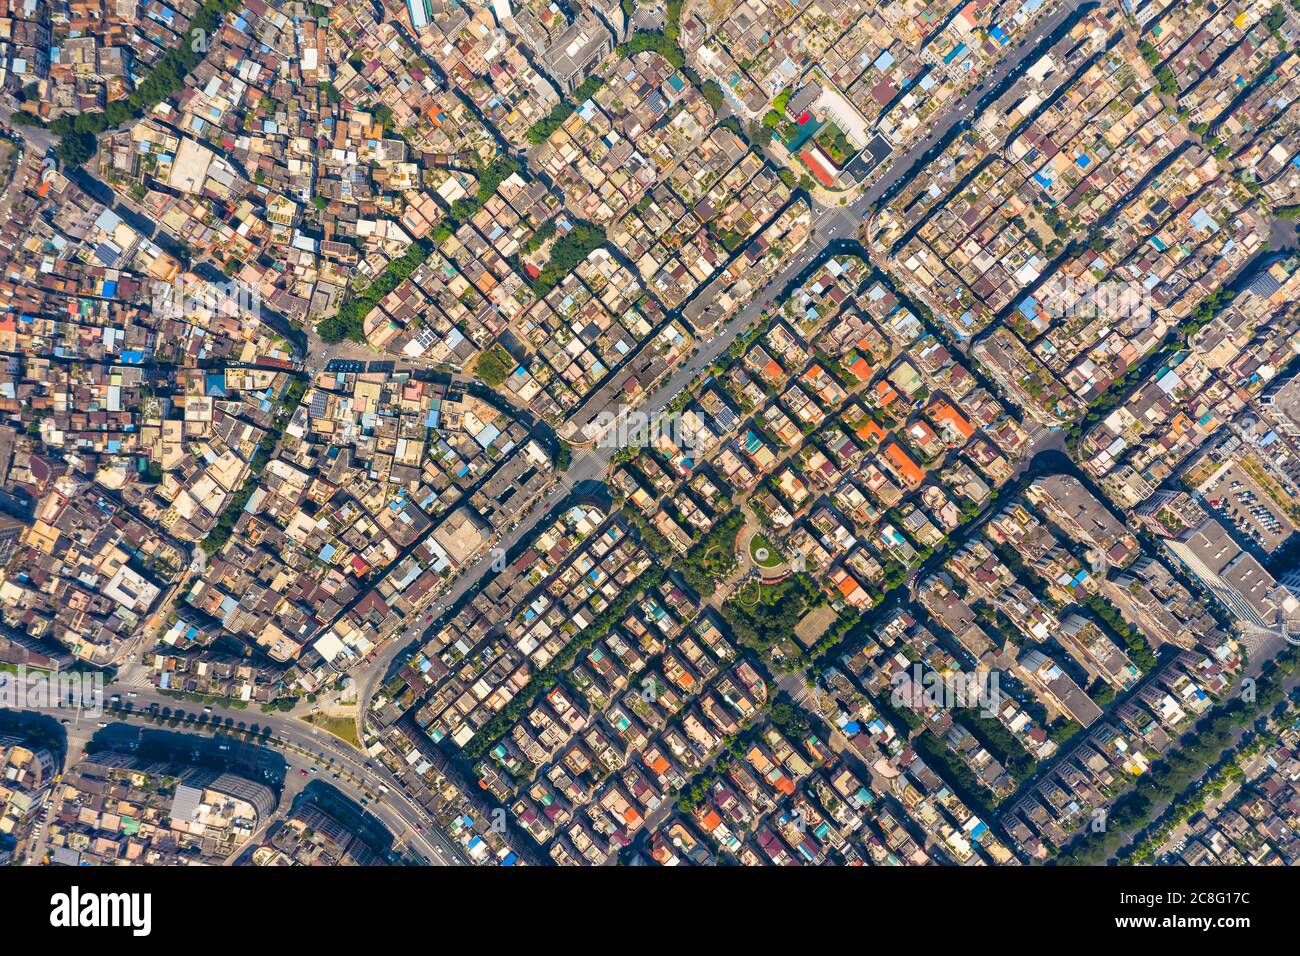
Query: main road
(831, 224)
(304, 748)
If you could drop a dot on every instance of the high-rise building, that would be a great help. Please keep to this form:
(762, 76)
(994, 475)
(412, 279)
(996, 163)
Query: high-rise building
(1232, 575)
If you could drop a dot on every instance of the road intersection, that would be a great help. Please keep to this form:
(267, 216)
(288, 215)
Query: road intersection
(370, 783)
(831, 225)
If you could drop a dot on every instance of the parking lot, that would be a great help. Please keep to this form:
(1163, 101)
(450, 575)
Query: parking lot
(1237, 497)
(358, 367)
(345, 366)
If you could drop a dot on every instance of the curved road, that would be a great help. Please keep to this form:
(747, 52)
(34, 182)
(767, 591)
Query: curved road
(302, 746)
(830, 225)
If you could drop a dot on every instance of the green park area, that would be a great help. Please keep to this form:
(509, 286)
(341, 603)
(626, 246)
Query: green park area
(763, 553)
(832, 139)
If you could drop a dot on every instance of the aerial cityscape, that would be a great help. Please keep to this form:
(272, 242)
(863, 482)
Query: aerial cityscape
(650, 433)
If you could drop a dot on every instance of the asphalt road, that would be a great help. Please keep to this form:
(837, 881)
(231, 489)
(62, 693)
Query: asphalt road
(37, 138)
(830, 224)
(303, 747)
(968, 107)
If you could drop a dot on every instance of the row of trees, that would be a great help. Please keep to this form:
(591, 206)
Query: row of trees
(1193, 801)
(545, 678)
(1119, 390)
(733, 748)
(1184, 764)
(349, 321)
(490, 178)
(1139, 651)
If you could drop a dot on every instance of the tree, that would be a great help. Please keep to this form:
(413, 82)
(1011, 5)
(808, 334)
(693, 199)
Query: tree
(788, 718)
(1275, 19)
(349, 321)
(712, 94)
(75, 148)
(491, 367)
(20, 118)
(569, 250)
(164, 78)
(1148, 51)
(1168, 83)
(539, 238)
(540, 131)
